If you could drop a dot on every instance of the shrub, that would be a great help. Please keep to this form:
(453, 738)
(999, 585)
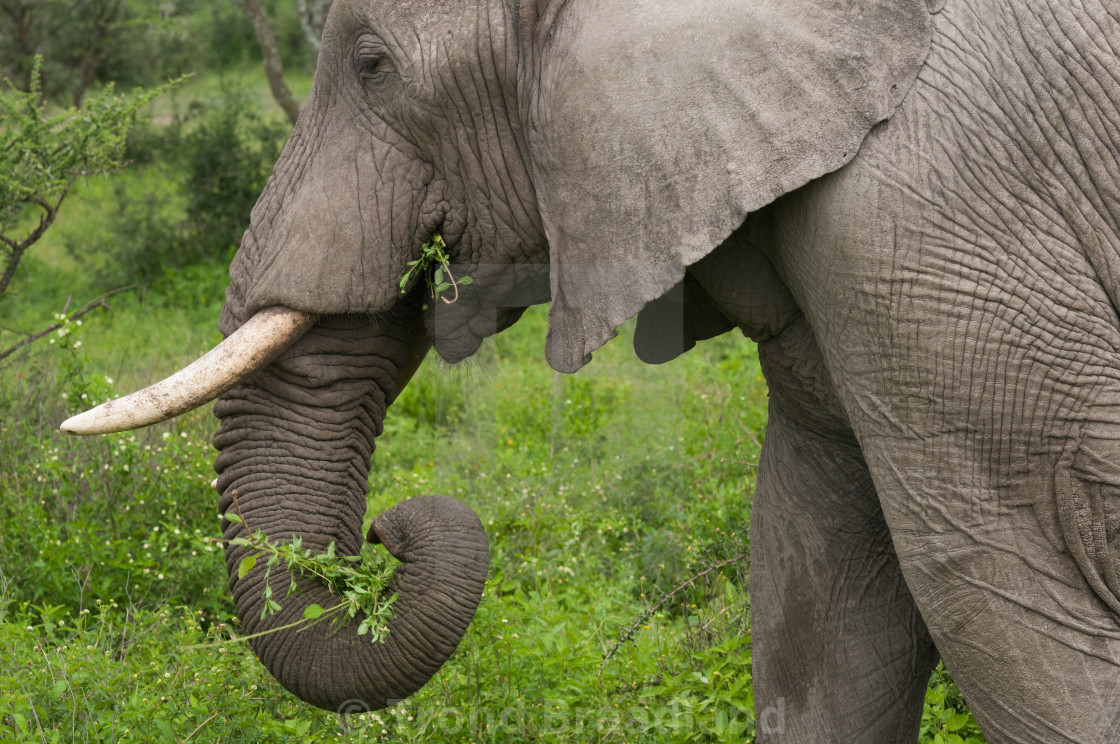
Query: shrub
(224, 152)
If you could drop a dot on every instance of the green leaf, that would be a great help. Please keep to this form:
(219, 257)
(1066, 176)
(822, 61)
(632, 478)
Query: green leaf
(165, 729)
(246, 565)
(463, 281)
(957, 721)
(231, 517)
(313, 611)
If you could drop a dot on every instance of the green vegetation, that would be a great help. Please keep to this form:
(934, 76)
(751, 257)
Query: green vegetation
(616, 501)
(112, 580)
(221, 150)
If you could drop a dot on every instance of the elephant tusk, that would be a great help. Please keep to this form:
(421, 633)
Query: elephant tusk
(252, 346)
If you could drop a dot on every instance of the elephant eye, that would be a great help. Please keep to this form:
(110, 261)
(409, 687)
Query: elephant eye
(369, 66)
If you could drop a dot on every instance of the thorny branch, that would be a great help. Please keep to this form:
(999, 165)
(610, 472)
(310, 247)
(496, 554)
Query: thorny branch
(91, 305)
(627, 634)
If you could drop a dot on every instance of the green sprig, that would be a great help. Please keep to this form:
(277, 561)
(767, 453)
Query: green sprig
(434, 265)
(359, 581)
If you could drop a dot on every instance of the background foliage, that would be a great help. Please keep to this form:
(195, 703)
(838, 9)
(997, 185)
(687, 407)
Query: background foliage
(602, 493)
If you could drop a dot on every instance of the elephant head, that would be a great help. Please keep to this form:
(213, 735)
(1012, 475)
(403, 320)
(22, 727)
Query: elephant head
(580, 152)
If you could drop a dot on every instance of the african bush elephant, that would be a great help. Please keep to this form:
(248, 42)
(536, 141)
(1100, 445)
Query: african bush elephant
(912, 206)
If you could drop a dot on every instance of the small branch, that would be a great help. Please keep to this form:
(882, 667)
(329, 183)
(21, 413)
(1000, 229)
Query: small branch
(237, 506)
(690, 582)
(199, 727)
(744, 463)
(92, 305)
(455, 286)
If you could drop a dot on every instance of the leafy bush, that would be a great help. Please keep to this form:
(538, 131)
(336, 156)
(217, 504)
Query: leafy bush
(228, 154)
(41, 156)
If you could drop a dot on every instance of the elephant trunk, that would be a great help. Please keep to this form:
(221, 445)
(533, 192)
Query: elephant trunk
(296, 441)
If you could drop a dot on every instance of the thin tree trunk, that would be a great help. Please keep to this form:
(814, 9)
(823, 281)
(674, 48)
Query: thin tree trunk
(271, 53)
(21, 15)
(108, 13)
(312, 17)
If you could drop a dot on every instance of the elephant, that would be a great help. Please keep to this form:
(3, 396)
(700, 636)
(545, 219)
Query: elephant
(911, 206)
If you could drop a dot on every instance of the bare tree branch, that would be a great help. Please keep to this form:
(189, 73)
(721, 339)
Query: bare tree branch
(91, 305)
(18, 249)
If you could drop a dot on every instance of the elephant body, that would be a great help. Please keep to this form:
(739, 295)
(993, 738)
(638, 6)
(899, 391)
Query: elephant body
(912, 206)
(936, 315)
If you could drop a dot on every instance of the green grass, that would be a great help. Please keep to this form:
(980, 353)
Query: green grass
(600, 493)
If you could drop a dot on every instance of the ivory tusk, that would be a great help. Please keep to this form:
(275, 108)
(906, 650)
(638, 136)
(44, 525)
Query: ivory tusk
(248, 349)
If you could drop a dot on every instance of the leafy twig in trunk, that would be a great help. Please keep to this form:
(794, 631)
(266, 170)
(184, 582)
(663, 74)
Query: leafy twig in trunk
(358, 581)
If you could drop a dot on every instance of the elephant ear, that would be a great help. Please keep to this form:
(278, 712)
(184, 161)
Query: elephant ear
(656, 126)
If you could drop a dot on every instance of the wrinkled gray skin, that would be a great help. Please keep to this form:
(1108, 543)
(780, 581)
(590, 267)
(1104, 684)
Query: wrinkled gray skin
(912, 208)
